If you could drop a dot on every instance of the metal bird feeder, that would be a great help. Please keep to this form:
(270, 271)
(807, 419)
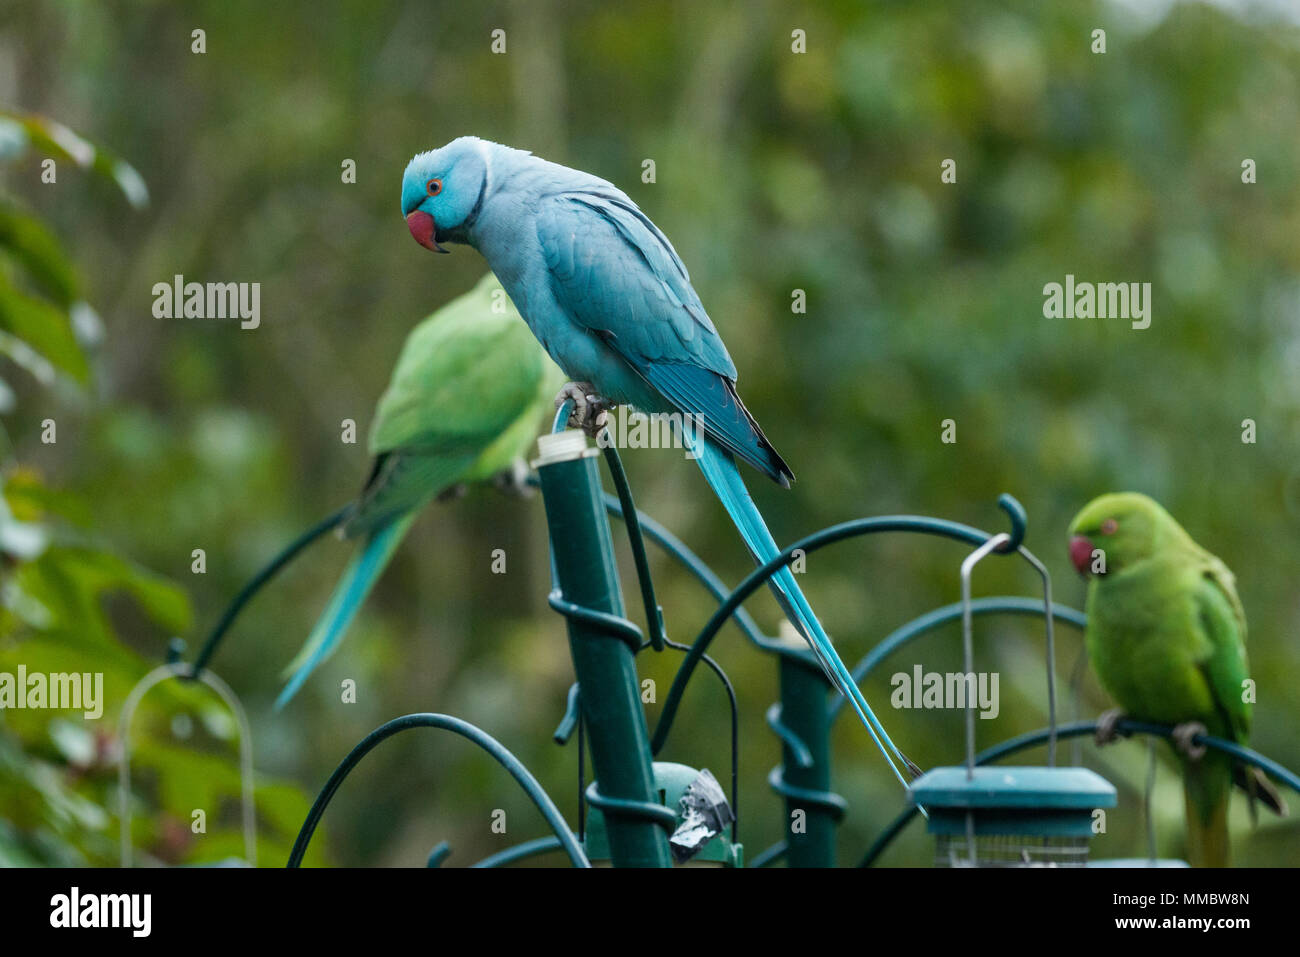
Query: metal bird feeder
(1010, 816)
(701, 811)
(648, 813)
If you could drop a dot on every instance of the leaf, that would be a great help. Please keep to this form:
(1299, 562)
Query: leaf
(219, 723)
(75, 742)
(72, 580)
(27, 358)
(165, 602)
(47, 654)
(13, 139)
(86, 324)
(23, 607)
(59, 141)
(282, 806)
(11, 853)
(83, 575)
(22, 540)
(188, 779)
(30, 499)
(43, 329)
(62, 804)
(26, 239)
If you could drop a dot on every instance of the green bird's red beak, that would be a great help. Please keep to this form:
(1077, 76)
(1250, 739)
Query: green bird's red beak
(424, 230)
(1081, 553)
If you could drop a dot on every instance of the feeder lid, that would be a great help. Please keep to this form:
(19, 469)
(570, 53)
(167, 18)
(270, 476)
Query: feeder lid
(709, 818)
(1011, 787)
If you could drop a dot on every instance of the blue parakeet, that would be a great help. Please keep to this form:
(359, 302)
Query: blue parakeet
(605, 293)
(428, 440)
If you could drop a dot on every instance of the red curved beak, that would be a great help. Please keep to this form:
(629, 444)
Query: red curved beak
(423, 230)
(1081, 553)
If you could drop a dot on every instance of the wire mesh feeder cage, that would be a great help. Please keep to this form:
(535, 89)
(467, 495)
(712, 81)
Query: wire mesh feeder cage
(1010, 816)
(700, 816)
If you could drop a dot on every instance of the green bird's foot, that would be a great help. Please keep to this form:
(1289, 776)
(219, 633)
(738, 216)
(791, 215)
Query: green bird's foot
(1106, 722)
(1182, 737)
(514, 480)
(590, 410)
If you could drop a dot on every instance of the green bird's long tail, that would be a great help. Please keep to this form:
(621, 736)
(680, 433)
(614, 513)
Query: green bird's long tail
(352, 590)
(1207, 786)
(259, 580)
(719, 468)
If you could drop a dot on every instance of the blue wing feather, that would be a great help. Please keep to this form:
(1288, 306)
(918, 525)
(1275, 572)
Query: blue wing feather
(358, 579)
(714, 400)
(617, 274)
(620, 278)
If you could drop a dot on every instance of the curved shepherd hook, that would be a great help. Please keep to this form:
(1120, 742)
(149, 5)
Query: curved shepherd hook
(443, 722)
(828, 536)
(161, 674)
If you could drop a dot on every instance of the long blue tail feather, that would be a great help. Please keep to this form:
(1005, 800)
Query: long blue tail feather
(351, 592)
(719, 468)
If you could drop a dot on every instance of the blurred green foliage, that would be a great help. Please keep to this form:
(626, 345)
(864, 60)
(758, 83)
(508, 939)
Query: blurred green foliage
(59, 797)
(775, 171)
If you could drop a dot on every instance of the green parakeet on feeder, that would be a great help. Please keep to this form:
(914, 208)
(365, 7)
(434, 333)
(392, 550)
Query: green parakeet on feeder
(1166, 635)
(464, 405)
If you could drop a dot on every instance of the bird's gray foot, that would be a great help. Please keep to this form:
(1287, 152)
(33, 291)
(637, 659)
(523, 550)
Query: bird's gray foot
(1182, 738)
(590, 410)
(1106, 721)
(514, 480)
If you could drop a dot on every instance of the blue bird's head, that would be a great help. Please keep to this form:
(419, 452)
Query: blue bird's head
(443, 191)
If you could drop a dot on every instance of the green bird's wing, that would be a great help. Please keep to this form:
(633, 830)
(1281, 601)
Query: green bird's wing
(465, 399)
(1222, 623)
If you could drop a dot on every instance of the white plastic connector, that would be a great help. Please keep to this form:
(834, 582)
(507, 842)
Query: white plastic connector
(561, 447)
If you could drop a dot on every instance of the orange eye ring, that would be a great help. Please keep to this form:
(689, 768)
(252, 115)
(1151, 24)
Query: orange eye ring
(433, 187)
(1109, 527)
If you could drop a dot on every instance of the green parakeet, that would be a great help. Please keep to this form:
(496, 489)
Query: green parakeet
(1166, 635)
(465, 403)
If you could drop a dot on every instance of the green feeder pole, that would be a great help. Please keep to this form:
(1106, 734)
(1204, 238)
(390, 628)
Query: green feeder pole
(602, 645)
(803, 723)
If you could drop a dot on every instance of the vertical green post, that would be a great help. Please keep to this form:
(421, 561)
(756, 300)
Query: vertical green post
(603, 663)
(805, 713)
